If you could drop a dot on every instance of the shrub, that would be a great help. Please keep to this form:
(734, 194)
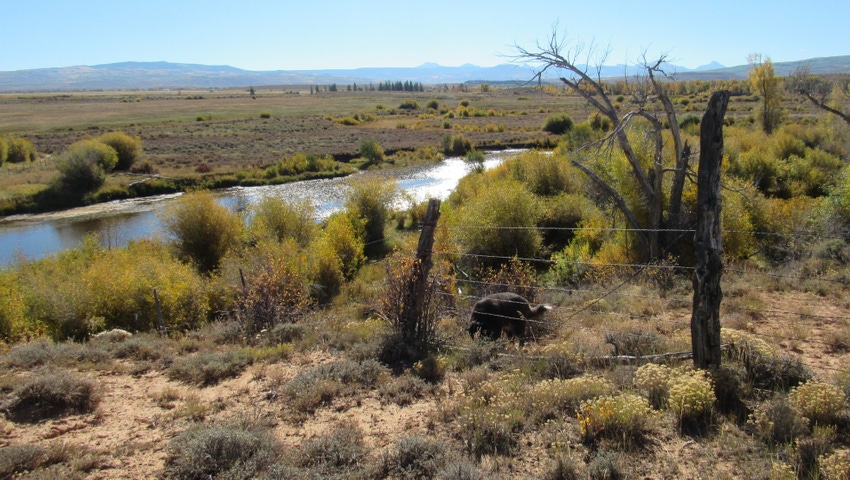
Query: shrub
(414, 457)
(456, 145)
(4, 150)
(433, 105)
(47, 394)
(340, 452)
(625, 418)
(777, 421)
(558, 124)
(204, 369)
(835, 466)
(599, 122)
(691, 398)
(318, 386)
(563, 468)
(277, 292)
(341, 244)
(654, 380)
(550, 399)
(20, 150)
(372, 151)
(404, 390)
(203, 230)
(605, 465)
(510, 212)
(370, 200)
(236, 450)
(83, 168)
(822, 403)
(128, 148)
(475, 159)
(409, 105)
(274, 217)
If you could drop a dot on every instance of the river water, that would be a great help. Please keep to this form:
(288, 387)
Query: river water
(30, 237)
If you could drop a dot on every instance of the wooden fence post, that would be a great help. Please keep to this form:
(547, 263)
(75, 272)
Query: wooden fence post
(705, 317)
(162, 329)
(412, 309)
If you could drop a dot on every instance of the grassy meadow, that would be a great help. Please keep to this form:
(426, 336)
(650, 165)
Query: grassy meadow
(280, 351)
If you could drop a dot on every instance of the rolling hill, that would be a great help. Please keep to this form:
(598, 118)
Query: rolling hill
(152, 75)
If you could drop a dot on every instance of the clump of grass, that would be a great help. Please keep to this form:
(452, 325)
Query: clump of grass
(605, 465)
(563, 468)
(49, 394)
(142, 347)
(206, 369)
(626, 419)
(233, 450)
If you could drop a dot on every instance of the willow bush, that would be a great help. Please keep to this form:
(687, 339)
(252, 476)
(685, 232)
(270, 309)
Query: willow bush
(202, 229)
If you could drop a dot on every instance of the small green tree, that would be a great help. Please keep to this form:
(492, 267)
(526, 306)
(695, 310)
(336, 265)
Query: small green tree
(203, 230)
(274, 217)
(766, 84)
(475, 159)
(129, 148)
(372, 151)
(370, 200)
(83, 168)
(558, 124)
(20, 150)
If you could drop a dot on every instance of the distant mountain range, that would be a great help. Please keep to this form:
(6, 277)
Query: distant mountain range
(153, 75)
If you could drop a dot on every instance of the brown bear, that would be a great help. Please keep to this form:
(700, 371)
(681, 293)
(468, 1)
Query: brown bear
(505, 311)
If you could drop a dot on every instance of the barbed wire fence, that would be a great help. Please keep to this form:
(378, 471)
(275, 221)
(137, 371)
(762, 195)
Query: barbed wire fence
(604, 301)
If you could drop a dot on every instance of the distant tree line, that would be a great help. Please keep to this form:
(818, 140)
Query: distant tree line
(406, 86)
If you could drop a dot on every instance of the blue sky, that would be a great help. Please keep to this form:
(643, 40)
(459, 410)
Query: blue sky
(323, 34)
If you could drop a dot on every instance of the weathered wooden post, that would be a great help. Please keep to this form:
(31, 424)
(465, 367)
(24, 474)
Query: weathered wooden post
(705, 318)
(160, 321)
(412, 309)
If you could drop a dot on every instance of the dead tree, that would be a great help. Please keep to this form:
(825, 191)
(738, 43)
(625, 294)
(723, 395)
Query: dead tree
(705, 317)
(646, 92)
(817, 90)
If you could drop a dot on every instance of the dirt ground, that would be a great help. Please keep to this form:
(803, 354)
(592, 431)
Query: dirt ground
(138, 414)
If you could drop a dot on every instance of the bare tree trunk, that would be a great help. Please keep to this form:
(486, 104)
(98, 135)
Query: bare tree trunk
(705, 318)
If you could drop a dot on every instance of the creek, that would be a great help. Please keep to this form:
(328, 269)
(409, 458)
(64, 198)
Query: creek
(32, 237)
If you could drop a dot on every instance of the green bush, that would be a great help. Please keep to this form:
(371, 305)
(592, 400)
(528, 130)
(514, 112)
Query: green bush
(339, 454)
(20, 150)
(456, 145)
(370, 200)
(558, 124)
(510, 212)
(128, 148)
(433, 105)
(599, 122)
(274, 217)
(409, 105)
(83, 168)
(475, 159)
(203, 230)
(372, 151)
